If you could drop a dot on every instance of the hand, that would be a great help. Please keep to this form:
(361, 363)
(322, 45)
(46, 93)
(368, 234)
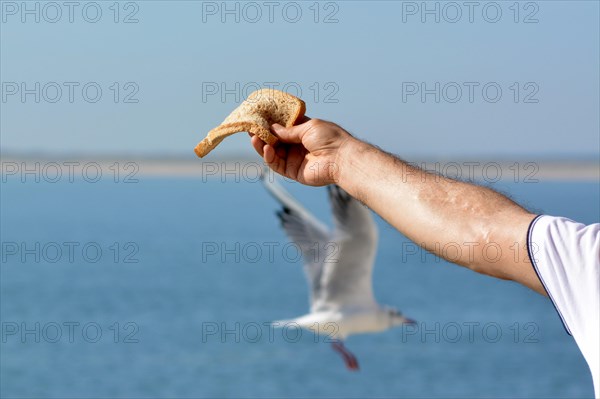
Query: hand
(308, 153)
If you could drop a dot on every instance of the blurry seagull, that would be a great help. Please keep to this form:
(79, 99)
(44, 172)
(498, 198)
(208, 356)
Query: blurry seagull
(338, 265)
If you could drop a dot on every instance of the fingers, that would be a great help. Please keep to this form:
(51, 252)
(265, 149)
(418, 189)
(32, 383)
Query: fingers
(275, 158)
(269, 154)
(284, 160)
(292, 134)
(274, 161)
(286, 156)
(258, 145)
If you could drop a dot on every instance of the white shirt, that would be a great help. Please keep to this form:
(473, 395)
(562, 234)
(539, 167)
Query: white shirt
(566, 258)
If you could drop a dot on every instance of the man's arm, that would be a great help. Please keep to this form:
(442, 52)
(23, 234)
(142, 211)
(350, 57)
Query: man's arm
(467, 224)
(464, 223)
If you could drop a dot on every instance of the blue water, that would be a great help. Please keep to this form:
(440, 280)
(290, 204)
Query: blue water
(179, 291)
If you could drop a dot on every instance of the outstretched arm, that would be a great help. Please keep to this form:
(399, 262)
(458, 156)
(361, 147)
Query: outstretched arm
(464, 223)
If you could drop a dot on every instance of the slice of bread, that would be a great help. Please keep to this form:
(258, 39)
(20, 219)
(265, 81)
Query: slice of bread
(256, 114)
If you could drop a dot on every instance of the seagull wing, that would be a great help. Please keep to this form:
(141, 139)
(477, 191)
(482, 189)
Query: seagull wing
(305, 230)
(346, 279)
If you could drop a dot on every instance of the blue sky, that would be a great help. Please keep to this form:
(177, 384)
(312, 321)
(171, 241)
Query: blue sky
(365, 69)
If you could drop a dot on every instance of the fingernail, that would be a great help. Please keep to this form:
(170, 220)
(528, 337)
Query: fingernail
(277, 127)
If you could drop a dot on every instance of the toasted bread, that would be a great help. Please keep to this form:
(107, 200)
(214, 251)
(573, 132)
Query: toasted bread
(255, 115)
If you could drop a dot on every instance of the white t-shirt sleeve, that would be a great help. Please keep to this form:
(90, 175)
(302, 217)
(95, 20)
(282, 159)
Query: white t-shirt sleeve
(566, 258)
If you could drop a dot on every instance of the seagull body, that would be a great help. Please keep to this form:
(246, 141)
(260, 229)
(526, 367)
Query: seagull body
(339, 268)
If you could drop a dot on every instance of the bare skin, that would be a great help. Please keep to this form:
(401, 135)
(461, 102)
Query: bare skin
(463, 223)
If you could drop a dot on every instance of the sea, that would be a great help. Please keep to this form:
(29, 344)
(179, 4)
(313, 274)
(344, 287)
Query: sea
(166, 287)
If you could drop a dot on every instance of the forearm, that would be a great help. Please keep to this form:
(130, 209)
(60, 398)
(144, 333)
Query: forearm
(464, 223)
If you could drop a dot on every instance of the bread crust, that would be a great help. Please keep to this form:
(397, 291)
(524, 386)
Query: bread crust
(255, 115)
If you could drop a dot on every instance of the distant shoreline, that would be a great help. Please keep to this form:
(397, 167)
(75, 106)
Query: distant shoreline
(249, 169)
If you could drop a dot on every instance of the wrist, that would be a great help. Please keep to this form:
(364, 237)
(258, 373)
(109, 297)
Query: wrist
(346, 154)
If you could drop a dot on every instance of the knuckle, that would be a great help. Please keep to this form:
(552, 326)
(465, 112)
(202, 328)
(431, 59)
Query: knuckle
(315, 125)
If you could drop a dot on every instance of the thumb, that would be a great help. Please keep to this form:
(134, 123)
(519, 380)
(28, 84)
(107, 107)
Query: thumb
(292, 134)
